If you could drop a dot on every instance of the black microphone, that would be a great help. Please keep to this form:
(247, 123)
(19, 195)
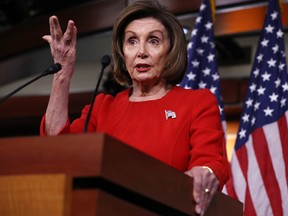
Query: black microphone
(105, 61)
(51, 70)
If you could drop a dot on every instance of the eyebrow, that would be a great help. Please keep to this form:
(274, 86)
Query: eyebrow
(152, 32)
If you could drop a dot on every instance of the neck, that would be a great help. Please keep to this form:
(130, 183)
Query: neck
(144, 93)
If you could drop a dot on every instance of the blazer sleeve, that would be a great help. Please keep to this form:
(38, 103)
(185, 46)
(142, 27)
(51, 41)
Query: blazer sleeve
(207, 138)
(77, 126)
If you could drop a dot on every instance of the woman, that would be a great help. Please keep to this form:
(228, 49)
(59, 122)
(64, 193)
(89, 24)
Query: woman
(179, 127)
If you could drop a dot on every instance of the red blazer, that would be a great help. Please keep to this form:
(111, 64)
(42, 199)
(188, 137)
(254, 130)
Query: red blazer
(182, 129)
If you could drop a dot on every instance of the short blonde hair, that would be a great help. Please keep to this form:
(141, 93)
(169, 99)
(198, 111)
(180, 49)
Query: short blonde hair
(177, 56)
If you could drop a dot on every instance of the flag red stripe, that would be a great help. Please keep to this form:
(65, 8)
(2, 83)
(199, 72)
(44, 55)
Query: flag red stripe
(249, 209)
(242, 156)
(230, 187)
(283, 131)
(267, 171)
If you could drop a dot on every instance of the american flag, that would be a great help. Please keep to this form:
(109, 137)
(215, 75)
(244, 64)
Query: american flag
(259, 161)
(202, 70)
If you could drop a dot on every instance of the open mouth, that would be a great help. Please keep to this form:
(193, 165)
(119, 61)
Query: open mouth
(142, 67)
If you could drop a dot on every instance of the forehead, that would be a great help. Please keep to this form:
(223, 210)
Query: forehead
(150, 23)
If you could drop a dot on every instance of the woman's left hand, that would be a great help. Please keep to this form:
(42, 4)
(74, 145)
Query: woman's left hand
(205, 184)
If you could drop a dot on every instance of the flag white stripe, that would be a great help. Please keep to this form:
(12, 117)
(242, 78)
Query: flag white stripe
(255, 183)
(238, 178)
(276, 154)
(224, 127)
(224, 190)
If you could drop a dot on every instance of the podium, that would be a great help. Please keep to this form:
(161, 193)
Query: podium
(96, 174)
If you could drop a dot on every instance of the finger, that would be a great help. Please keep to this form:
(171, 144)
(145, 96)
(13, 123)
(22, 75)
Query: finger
(204, 195)
(69, 33)
(47, 38)
(55, 29)
(197, 191)
(74, 37)
(197, 194)
(210, 189)
(205, 200)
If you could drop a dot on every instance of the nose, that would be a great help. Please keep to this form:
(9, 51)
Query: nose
(142, 51)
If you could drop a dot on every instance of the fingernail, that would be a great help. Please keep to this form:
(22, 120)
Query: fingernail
(196, 198)
(198, 210)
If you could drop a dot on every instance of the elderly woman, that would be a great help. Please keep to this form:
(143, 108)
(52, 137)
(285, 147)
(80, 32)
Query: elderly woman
(179, 127)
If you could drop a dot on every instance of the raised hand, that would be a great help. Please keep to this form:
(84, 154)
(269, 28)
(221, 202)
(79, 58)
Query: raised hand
(63, 50)
(63, 46)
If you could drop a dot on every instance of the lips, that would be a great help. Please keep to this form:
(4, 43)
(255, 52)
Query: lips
(142, 67)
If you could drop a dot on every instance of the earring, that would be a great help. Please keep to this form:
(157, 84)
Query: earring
(169, 64)
(124, 67)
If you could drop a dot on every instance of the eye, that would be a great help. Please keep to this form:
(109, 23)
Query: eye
(132, 41)
(154, 41)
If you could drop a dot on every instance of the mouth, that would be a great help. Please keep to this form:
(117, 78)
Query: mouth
(142, 67)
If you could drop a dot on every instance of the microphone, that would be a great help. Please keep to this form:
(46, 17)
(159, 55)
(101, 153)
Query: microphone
(105, 61)
(51, 70)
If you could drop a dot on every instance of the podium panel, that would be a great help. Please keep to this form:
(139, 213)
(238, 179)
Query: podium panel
(104, 170)
(34, 195)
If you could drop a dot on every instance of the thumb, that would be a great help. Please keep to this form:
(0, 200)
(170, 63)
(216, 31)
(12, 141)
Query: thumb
(47, 38)
(196, 191)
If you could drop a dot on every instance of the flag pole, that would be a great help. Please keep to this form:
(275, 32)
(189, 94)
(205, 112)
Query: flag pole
(280, 5)
(213, 10)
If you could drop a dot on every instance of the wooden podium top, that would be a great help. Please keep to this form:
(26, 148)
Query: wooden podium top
(98, 160)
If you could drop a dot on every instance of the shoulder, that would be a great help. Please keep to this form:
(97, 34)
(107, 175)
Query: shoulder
(104, 98)
(199, 94)
(197, 102)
